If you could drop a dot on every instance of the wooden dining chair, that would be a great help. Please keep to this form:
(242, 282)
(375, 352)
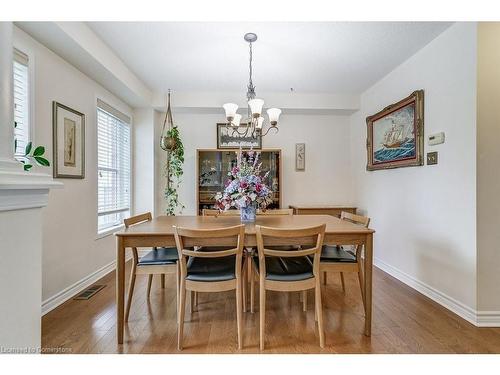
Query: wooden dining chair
(290, 270)
(160, 261)
(247, 266)
(345, 259)
(210, 269)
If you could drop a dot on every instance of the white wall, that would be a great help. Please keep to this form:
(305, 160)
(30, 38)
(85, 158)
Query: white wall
(143, 160)
(425, 217)
(326, 180)
(70, 248)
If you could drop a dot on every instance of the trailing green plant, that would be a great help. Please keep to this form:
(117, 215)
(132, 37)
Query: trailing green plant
(174, 172)
(32, 155)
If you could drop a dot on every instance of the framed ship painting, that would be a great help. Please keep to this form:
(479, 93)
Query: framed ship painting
(69, 142)
(227, 137)
(395, 135)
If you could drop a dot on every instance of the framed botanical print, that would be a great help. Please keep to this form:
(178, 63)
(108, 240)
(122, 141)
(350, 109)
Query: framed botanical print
(68, 129)
(395, 135)
(227, 137)
(300, 156)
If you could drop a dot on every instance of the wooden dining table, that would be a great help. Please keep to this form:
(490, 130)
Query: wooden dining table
(159, 232)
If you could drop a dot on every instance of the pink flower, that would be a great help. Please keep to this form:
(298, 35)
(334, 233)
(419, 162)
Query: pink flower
(258, 188)
(243, 184)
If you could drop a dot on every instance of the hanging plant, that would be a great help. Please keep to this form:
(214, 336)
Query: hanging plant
(171, 142)
(174, 172)
(32, 155)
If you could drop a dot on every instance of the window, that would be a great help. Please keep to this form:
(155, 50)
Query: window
(113, 167)
(21, 102)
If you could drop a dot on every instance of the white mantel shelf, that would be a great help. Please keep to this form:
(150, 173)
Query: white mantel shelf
(21, 190)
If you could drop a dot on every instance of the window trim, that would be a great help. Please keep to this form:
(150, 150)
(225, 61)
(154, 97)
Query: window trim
(23, 52)
(102, 105)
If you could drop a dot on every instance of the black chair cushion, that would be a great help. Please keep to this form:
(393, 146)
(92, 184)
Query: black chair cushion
(211, 269)
(160, 256)
(287, 269)
(336, 254)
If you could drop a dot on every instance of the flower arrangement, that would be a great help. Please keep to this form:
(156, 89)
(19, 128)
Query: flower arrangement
(245, 187)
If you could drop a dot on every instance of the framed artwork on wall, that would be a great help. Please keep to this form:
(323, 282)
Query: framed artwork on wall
(395, 135)
(300, 156)
(229, 138)
(68, 130)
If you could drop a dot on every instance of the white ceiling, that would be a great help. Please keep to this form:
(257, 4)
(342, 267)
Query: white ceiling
(334, 57)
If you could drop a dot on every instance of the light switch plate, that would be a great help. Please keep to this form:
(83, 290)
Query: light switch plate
(432, 158)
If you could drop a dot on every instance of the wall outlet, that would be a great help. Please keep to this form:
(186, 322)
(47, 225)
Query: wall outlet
(432, 158)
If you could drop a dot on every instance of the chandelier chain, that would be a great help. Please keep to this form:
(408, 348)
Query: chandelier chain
(251, 87)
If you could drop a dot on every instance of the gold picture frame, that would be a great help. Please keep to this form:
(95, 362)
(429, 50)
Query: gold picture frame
(68, 131)
(226, 139)
(395, 135)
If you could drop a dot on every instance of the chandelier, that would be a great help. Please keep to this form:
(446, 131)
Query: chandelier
(253, 124)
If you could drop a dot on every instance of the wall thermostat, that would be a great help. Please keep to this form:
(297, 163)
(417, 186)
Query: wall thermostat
(436, 139)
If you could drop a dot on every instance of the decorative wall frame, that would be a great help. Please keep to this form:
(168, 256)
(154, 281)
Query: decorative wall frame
(395, 135)
(300, 156)
(227, 139)
(68, 131)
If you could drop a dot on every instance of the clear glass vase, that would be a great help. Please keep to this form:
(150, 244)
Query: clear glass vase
(247, 214)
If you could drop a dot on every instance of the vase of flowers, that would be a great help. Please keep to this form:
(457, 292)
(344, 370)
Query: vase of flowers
(245, 189)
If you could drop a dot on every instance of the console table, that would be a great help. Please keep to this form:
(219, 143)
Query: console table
(322, 210)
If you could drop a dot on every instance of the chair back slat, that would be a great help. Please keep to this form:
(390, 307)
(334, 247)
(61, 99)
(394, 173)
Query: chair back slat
(137, 219)
(289, 237)
(355, 219)
(277, 211)
(212, 212)
(290, 253)
(210, 254)
(359, 220)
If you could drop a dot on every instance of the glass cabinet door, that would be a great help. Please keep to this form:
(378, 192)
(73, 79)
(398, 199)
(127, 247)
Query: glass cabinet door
(214, 166)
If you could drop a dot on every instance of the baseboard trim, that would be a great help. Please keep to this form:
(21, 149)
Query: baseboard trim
(444, 300)
(488, 318)
(58, 299)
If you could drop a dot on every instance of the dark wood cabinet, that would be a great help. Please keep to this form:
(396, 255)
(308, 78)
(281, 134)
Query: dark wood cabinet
(213, 165)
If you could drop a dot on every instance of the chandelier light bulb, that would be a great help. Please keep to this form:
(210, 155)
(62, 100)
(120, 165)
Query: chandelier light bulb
(256, 107)
(260, 122)
(230, 109)
(274, 115)
(236, 120)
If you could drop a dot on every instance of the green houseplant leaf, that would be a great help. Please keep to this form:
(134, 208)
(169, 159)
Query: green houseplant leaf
(42, 161)
(39, 151)
(27, 150)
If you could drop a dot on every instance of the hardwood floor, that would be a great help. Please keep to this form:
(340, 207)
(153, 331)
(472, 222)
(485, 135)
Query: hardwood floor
(404, 321)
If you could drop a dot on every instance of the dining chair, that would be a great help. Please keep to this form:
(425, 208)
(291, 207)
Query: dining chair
(345, 259)
(161, 261)
(209, 269)
(247, 266)
(290, 270)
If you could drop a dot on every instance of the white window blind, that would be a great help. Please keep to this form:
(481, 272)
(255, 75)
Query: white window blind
(21, 102)
(113, 144)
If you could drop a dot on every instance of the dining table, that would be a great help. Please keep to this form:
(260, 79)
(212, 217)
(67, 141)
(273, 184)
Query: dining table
(159, 232)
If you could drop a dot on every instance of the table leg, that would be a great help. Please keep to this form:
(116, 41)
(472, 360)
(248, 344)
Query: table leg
(368, 283)
(120, 288)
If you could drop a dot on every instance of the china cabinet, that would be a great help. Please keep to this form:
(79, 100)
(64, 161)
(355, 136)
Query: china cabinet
(212, 167)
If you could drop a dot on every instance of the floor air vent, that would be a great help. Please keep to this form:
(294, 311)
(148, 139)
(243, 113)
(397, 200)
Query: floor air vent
(89, 292)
